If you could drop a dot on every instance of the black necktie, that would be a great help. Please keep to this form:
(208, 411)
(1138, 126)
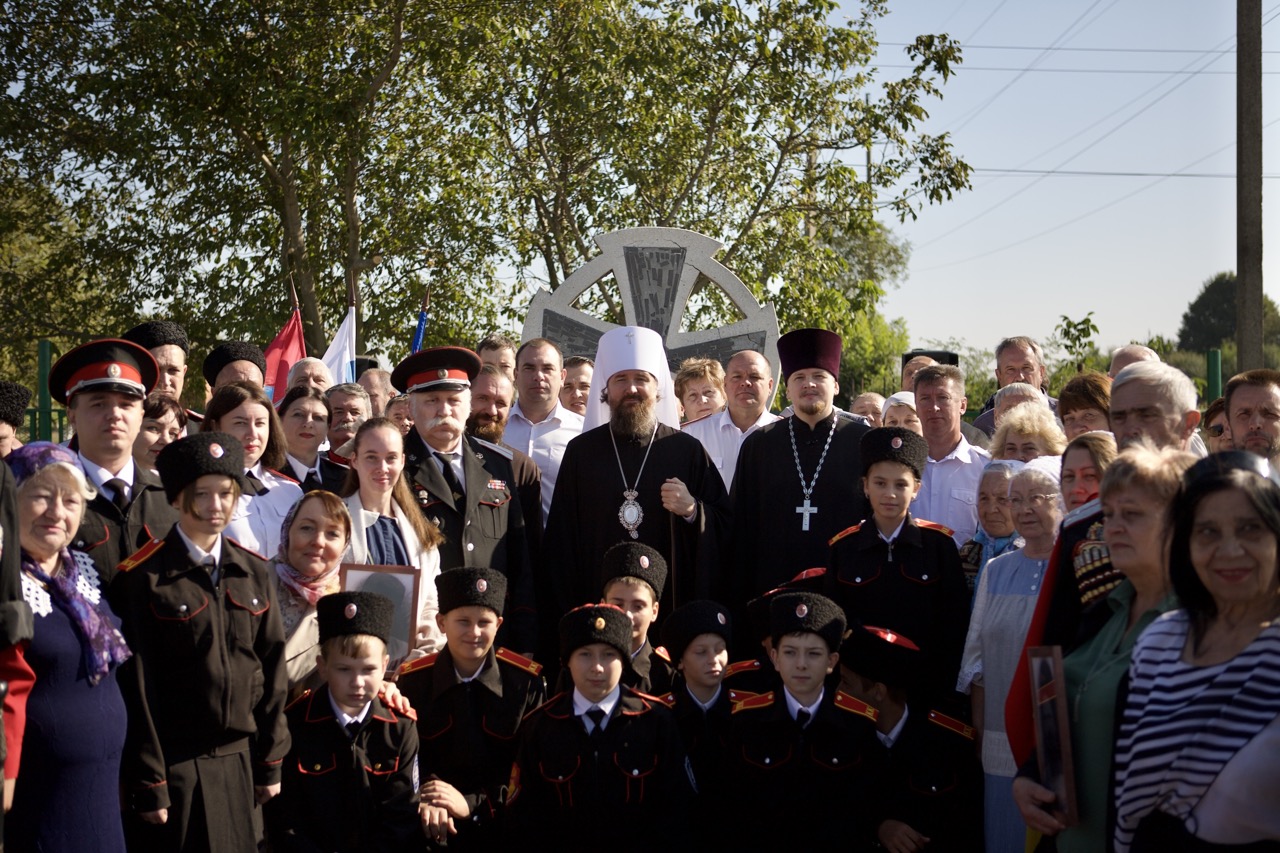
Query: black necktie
(255, 485)
(596, 715)
(118, 496)
(311, 482)
(450, 478)
(353, 729)
(803, 717)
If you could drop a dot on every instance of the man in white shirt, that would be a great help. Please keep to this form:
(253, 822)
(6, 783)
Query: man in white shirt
(748, 385)
(953, 471)
(539, 426)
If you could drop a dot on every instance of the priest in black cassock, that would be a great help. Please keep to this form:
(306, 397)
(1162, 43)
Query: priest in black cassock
(799, 480)
(633, 476)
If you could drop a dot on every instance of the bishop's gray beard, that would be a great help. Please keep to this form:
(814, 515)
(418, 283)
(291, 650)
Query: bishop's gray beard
(633, 421)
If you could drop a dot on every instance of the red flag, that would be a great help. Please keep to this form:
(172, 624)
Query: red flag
(287, 349)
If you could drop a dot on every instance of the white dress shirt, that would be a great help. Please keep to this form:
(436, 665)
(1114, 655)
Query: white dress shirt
(949, 493)
(722, 439)
(98, 477)
(257, 519)
(544, 443)
(794, 707)
(581, 705)
(200, 556)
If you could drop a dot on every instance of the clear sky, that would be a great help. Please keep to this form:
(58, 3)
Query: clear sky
(1018, 251)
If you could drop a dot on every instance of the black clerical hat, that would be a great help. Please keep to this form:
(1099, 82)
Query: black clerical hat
(805, 349)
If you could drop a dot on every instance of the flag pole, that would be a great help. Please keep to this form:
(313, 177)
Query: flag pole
(422, 321)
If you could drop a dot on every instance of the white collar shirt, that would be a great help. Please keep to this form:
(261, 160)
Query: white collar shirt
(949, 492)
(794, 707)
(896, 732)
(581, 705)
(300, 469)
(705, 706)
(100, 476)
(544, 443)
(722, 439)
(209, 559)
(344, 719)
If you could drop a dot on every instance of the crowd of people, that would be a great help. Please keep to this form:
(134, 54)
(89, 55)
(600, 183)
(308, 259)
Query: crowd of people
(512, 596)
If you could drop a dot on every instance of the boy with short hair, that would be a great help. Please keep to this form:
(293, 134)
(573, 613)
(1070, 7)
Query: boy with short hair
(599, 764)
(635, 575)
(470, 700)
(934, 786)
(351, 776)
(894, 569)
(205, 688)
(806, 749)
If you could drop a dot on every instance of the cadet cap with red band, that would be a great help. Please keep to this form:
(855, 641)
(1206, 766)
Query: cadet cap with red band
(109, 364)
(436, 369)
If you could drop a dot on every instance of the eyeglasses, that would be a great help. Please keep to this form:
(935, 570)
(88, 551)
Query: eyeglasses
(1035, 501)
(1216, 430)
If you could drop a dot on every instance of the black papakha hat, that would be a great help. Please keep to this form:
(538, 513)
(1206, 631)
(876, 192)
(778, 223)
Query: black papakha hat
(596, 623)
(806, 612)
(227, 352)
(471, 587)
(189, 458)
(158, 333)
(805, 349)
(436, 369)
(13, 403)
(109, 364)
(342, 614)
(881, 654)
(894, 444)
(691, 620)
(634, 560)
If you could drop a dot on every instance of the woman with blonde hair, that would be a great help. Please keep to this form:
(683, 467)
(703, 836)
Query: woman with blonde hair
(1026, 432)
(388, 528)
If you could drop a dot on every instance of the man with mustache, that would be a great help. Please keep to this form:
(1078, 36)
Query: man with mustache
(799, 480)
(633, 476)
(465, 486)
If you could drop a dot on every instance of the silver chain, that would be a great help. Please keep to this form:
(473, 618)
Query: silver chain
(618, 456)
(795, 454)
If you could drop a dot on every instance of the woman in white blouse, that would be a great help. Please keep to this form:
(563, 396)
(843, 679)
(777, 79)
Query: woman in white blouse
(243, 410)
(388, 528)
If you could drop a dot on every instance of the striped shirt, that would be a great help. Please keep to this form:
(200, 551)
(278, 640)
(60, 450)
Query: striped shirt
(1183, 723)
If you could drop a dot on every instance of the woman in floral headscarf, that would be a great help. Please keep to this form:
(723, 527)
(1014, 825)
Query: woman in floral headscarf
(67, 795)
(314, 535)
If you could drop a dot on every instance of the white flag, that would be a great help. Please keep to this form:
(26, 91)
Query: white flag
(340, 357)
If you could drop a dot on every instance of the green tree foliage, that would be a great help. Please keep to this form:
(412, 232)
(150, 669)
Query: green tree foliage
(1210, 319)
(208, 156)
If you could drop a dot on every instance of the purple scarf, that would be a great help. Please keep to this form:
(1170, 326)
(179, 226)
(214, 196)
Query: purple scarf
(101, 645)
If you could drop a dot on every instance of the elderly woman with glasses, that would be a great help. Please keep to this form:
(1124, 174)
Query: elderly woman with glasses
(1002, 610)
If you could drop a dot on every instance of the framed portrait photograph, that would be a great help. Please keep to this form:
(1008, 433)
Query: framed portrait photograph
(1053, 732)
(398, 583)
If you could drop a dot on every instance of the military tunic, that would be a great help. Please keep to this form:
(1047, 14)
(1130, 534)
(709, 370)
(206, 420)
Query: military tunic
(822, 783)
(108, 535)
(623, 790)
(913, 585)
(347, 793)
(484, 528)
(467, 731)
(205, 690)
(935, 782)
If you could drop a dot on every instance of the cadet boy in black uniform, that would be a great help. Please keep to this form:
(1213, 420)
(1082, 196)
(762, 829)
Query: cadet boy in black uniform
(805, 760)
(893, 569)
(634, 576)
(351, 775)
(934, 788)
(470, 700)
(205, 688)
(601, 765)
(698, 636)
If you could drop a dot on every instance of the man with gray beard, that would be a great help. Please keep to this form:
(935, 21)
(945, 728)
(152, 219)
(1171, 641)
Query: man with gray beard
(633, 476)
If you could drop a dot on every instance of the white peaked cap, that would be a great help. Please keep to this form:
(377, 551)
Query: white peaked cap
(631, 348)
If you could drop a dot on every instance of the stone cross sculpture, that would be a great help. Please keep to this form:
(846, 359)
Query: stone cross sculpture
(655, 269)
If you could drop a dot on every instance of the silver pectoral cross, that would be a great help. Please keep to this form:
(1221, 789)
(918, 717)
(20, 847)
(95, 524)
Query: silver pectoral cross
(806, 510)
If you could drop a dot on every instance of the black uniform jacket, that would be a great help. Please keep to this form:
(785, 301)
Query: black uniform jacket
(935, 784)
(822, 783)
(207, 670)
(914, 586)
(109, 535)
(345, 793)
(467, 730)
(484, 528)
(622, 790)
